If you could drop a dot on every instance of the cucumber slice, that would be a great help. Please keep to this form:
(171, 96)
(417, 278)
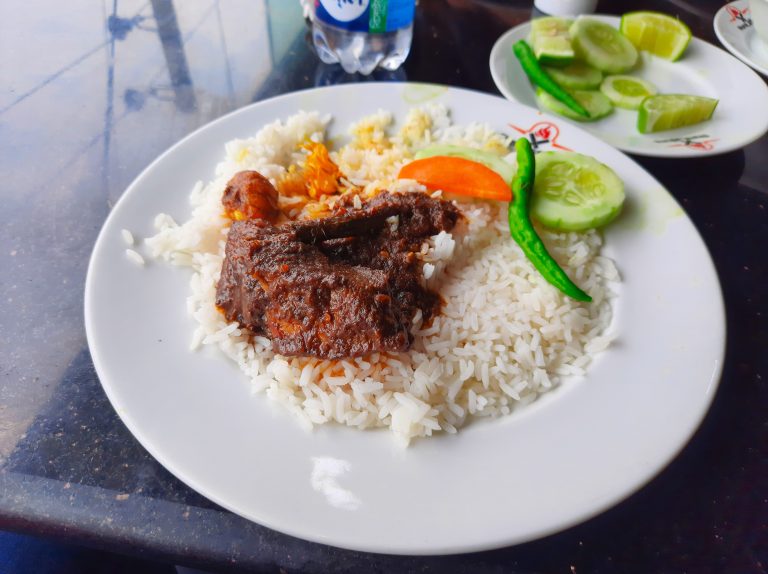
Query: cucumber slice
(627, 91)
(551, 42)
(490, 160)
(669, 111)
(602, 46)
(577, 76)
(574, 192)
(595, 103)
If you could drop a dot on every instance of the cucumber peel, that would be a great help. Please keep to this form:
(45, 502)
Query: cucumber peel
(551, 42)
(595, 103)
(575, 192)
(602, 46)
(577, 76)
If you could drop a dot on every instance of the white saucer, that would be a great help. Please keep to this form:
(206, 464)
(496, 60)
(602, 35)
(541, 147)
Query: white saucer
(736, 31)
(705, 70)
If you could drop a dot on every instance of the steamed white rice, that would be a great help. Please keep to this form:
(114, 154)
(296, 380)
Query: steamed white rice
(504, 335)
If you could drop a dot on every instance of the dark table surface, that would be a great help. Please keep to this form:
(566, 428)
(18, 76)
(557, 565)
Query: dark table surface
(90, 93)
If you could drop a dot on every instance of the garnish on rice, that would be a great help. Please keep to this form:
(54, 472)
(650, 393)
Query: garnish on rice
(321, 174)
(310, 185)
(522, 230)
(577, 193)
(459, 176)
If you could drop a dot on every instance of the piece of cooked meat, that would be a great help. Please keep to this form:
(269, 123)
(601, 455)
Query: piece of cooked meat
(250, 195)
(344, 286)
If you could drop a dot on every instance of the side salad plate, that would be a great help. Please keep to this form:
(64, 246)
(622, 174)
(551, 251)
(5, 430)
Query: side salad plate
(606, 427)
(704, 70)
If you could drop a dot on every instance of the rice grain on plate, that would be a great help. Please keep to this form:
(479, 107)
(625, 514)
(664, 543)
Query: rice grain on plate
(504, 335)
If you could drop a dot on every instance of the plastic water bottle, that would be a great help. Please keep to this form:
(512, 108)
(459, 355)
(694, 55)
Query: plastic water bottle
(362, 35)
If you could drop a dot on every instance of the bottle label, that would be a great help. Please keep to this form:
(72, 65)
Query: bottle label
(376, 16)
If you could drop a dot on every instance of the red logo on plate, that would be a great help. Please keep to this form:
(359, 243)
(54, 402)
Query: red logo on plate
(542, 133)
(739, 15)
(699, 142)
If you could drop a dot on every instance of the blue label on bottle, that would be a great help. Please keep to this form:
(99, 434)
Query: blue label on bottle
(366, 15)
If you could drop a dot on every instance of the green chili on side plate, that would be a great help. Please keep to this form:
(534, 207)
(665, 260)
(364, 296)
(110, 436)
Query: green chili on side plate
(541, 78)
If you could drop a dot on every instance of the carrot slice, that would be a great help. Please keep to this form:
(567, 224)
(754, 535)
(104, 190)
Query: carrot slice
(457, 175)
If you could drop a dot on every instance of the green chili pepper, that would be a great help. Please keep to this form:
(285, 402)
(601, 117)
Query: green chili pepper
(541, 78)
(521, 228)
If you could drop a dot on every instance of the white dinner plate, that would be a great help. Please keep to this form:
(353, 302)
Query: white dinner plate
(735, 29)
(704, 70)
(579, 450)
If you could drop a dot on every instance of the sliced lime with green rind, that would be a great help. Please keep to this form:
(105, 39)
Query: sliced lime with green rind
(602, 46)
(657, 33)
(551, 42)
(627, 91)
(574, 192)
(670, 111)
(595, 103)
(576, 76)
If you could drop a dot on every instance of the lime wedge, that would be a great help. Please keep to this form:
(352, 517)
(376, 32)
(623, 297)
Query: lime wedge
(626, 91)
(658, 33)
(576, 76)
(670, 111)
(595, 103)
(602, 46)
(551, 42)
(573, 192)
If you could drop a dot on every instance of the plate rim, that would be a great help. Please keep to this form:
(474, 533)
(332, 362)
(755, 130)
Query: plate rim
(682, 152)
(135, 428)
